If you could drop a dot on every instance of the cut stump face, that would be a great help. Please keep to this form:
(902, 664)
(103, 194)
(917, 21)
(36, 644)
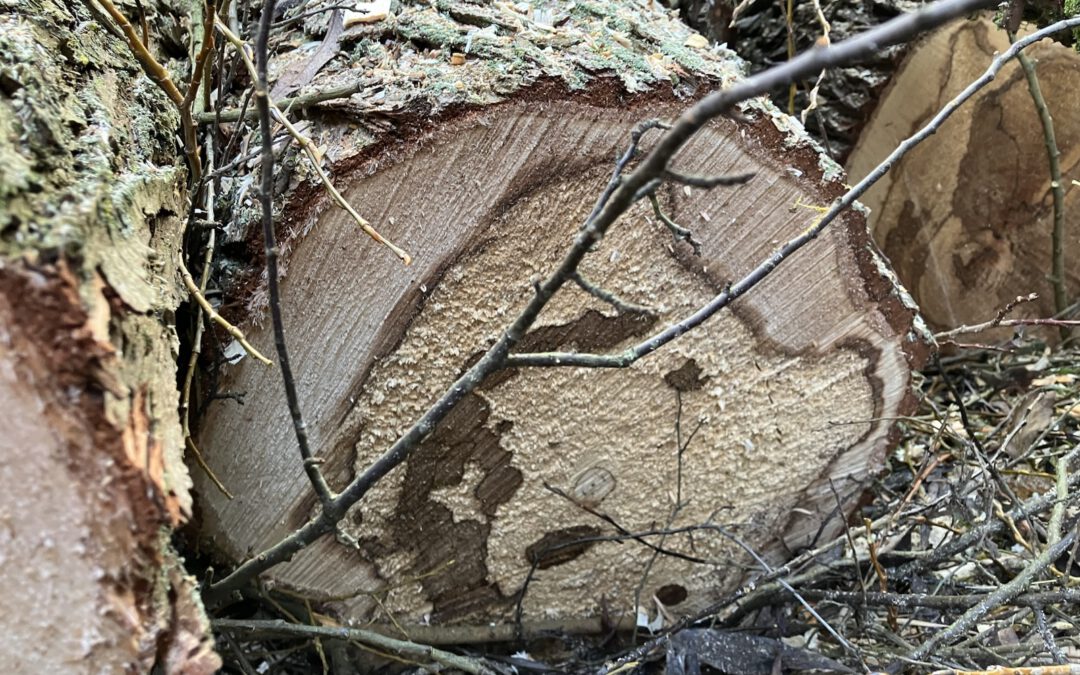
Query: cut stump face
(966, 217)
(771, 401)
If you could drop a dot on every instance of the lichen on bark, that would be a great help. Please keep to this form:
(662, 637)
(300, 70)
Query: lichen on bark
(92, 195)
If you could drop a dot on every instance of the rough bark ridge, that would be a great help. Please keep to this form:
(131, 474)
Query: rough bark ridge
(93, 476)
(970, 215)
(482, 168)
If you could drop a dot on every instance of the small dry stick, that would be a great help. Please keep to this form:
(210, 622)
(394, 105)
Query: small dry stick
(312, 152)
(1057, 189)
(189, 377)
(1047, 636)
(1068, 596)
(291, 102)
(206, 51)
(196, 344)
(1026, 670)
(217, 318)
(823, 41)
(311, 463)
(678, 231)
(978, 328)
(402, 647)
(789, 21)
(607, 296)
(757, 592)
(1061, 486)
(992, 323)
(883, 578)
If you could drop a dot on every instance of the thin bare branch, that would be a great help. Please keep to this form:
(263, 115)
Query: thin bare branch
(648, 171)
(607, 296)
(678, 231)
(206, 51)
(232, 330)
(196, 343)
(266, 197)
(978, 328)
(1057, 188)
(636, 135)
(291, 103)
(707, 182)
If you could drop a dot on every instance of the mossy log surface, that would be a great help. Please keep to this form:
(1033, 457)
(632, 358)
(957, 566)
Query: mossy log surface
(482, 168)
(93, 478)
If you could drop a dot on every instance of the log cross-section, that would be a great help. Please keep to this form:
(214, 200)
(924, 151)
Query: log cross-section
(783, 404)
(971, 216)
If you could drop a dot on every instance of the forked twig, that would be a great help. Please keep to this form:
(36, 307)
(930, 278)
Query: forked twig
(678, 231)
(232, 330)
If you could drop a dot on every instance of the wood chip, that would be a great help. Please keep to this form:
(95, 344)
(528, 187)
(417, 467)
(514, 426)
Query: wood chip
(368, 12)
(696, 41)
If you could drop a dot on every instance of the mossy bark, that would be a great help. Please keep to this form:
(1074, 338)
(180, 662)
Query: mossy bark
(92, 192)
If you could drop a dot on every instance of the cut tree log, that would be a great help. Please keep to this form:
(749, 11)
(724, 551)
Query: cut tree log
(967, 220)
(91, 457)
(483, 171)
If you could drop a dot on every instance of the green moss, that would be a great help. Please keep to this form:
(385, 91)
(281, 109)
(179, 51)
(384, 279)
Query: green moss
(507, 50)
(1071, 9)
(62, 146)
(432, 28)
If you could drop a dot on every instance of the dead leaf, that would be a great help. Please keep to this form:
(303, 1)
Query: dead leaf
(742, 653)
(304, 72)
(1031, 416)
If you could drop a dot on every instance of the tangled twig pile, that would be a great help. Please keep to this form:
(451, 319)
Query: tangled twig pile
(966, 555)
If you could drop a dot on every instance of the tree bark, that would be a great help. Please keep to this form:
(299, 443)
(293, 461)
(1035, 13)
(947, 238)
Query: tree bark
(90, 191)
(483, 167)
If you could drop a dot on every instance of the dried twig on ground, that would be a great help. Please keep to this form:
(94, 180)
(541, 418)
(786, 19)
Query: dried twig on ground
(240, 628)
